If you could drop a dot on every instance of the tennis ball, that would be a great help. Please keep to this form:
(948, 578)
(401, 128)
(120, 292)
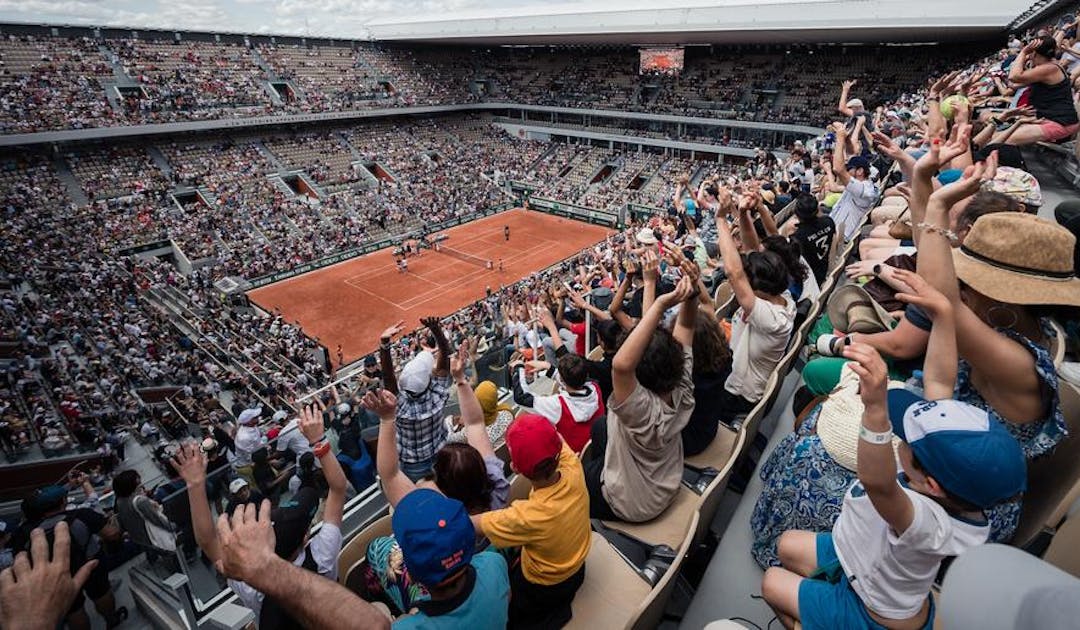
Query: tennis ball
(951, 105)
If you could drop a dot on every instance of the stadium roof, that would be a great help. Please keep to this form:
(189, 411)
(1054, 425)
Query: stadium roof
(716, 22)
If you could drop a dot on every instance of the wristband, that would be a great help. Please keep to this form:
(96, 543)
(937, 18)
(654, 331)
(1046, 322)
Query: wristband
(874, 437)
(317, 442)
(322, 449)
(465, 383)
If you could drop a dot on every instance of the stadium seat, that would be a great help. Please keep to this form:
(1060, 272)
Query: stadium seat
(596, 354)
(719, 451)
(615, 596)
(670, 526)
(354, 552)
(1053, 480)
(1064, 549)
(520, 487)
(1058, 343)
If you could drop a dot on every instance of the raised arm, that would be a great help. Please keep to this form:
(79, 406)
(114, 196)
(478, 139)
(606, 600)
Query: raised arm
(312, 428)
(650, 273)
(616, 309)
(472, 414)
(733, 267)
(395, 484)
(877, 463)
(845, 92)
(624, 363)
(747, 233)
(442, 366)
(386, 359)
(884, 144)
(247, 544)
(581, 303)
(190, 462)
(839, 158)
(1019, 74)
(941, 364)
(687, 319)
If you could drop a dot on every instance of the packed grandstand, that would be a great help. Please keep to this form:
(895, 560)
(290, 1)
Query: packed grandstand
(813, 249)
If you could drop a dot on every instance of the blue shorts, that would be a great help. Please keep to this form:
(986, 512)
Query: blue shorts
(825, 605)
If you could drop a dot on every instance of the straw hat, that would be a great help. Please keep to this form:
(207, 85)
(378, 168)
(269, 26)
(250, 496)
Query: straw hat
(840, 418)
(852, 310)
(1018, 258)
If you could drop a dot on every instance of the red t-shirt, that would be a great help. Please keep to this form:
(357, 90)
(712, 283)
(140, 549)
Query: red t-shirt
(579, 330)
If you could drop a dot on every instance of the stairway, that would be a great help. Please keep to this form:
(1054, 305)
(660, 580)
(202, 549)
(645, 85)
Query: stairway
(160, 160)
(67, 178)
(264, 65)
(268, 154)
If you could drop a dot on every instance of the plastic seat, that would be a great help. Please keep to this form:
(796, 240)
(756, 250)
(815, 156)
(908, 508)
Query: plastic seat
(1053, 480)
(615, 596)
(718, 452)
(669, 527)
(354, 552)
(520, 487)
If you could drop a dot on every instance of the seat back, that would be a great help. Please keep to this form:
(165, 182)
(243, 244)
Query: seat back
(651, 611)
(710, 499)
(1053, 480)
(752, 423)
(354, 551)
(722, 293)
(1064, 549)
(596, 354)
(520, 487)
(1057, 344)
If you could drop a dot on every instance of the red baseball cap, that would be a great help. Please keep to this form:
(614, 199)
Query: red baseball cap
(531, 439)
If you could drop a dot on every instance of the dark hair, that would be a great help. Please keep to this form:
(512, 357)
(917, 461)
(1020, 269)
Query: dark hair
(661, 366)
(712, 355)
(608, 333)
(790, 252)
(766, 272)
(574, 316)
(1048, 47)
(572, 370)
(544, 469)
(784, 186)
(461, 474)
(983, 203)
(125, 483)
(806, 206)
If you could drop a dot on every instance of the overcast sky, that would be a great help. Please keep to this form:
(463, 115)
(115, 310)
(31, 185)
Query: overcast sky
(334, 18)
(342, 18)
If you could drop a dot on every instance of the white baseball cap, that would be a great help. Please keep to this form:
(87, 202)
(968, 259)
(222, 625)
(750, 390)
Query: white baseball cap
(237, 485)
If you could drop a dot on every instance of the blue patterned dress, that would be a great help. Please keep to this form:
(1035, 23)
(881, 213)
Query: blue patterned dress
(804, 487)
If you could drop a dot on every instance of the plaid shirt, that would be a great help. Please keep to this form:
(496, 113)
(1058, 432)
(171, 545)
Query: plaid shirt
(420, 427)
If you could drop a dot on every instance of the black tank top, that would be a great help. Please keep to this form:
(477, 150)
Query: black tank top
(1054, 102)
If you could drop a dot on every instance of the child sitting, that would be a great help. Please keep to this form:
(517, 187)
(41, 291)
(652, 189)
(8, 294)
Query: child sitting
(551, 527)
(892, 534)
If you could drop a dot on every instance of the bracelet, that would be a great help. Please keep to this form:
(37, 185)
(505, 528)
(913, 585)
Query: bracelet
(874, 437)
(465, 383)
(930, 227)
(317, 442)
(322, 449)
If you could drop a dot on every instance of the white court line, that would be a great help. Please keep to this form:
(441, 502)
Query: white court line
(375, 295)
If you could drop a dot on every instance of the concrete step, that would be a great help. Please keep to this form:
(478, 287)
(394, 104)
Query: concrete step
(67, 178)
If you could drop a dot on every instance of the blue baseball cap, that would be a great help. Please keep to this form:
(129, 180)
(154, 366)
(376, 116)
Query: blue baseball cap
(972, 456)
(435, 535)
(858, 161)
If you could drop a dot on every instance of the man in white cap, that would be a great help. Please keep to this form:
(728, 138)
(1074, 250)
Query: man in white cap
(853, 107)
(424, 387)
(241, 493)
(249, 438)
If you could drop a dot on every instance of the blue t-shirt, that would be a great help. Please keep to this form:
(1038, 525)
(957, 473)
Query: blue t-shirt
(484, 608)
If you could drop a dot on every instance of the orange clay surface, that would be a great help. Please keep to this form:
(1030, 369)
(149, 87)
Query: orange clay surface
(351, 302)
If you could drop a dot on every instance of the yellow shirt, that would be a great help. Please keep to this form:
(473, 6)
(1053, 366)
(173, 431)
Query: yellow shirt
(551, 526)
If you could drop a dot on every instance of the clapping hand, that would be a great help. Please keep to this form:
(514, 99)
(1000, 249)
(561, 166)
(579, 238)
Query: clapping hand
(382, 402)
(458, 361)
(190, 462)
(246, 542)
(873, 374)
(396, 329)
(311, 422)
(36, 591)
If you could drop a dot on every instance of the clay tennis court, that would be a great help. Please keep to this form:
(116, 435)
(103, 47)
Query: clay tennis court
(351, 302)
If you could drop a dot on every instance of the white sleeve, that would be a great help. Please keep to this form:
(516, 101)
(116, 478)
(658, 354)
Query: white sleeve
(549, 407)
(248, 596)
(767, 317)
(325, 548)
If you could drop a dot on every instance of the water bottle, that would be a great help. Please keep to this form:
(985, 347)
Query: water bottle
(915, 384)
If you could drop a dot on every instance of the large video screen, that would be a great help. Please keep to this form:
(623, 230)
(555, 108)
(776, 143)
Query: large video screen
(667, 61)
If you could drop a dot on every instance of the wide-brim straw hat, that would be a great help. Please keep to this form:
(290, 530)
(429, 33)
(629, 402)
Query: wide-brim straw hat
(852, 310)
(840, 418)
(1018, 258)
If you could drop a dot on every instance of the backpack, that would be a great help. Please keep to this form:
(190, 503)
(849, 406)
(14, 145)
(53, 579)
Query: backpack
(84, 544)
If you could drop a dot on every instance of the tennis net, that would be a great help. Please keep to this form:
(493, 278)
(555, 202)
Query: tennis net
(460, 255)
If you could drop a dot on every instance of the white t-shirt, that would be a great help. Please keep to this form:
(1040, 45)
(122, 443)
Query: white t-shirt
(858, 199)
(324, 547)
(291, 439)
(892, 574)
(248, 440)
(758, 342)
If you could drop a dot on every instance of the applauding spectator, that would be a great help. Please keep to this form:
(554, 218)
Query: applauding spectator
(424, 385)
(639, 457)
